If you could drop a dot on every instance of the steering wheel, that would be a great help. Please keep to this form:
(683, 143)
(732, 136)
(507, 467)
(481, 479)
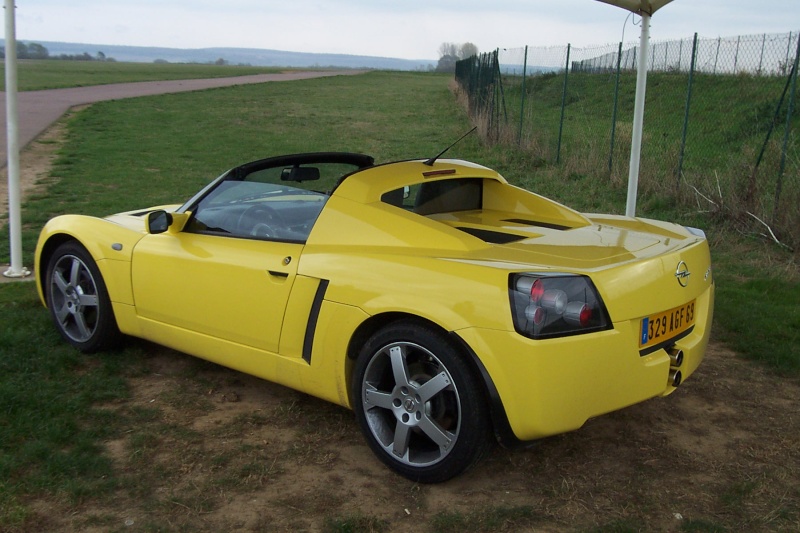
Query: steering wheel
(261, 220)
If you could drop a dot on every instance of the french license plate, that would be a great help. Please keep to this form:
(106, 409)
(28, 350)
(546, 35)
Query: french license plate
(661, 326)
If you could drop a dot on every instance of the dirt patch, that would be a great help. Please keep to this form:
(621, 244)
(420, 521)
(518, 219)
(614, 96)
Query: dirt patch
(35, 163)
(204, 448)
(211, 449)
(35, 169)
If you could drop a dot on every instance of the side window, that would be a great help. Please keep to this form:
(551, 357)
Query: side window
(258, 210)
(403, 197)
(443, 196)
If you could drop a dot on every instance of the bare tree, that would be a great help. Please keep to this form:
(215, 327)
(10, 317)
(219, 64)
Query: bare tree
(449, 53)
(467, 50)
(448, 49)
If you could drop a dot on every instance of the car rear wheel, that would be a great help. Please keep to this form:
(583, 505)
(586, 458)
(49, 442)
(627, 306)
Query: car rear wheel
(419, 404)
(78, 300)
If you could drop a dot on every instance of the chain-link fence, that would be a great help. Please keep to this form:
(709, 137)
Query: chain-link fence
(759, 55)
(720, 117)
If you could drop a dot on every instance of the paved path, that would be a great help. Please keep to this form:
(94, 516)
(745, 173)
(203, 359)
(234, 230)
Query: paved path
(38, 109)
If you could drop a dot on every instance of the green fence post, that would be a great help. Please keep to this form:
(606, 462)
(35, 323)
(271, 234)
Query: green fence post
(563, 106)
(502, 89)
(789, 113)
(686, 112)
(522, 107)
(614, 112)
(491, 93)
(498, 89)
(496, 96)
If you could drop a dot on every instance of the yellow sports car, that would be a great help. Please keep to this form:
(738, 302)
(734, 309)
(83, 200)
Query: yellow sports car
(446, 307)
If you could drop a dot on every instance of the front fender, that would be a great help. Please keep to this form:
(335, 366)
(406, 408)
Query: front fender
(110, 245)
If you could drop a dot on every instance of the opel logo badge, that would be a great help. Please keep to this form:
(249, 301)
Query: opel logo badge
(682, 274)
(409, 405)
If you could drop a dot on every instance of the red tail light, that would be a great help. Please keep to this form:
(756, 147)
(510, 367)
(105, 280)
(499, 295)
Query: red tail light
(537, 291)
(547, 305)
(532, 286)
(578, 314)
(535, 314)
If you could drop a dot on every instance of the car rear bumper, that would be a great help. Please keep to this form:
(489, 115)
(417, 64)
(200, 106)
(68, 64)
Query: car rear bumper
(552, 386)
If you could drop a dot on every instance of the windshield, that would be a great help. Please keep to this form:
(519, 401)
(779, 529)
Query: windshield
(276, 199)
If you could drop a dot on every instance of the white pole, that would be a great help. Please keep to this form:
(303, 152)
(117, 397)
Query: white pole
(14, 217)
(638, 117)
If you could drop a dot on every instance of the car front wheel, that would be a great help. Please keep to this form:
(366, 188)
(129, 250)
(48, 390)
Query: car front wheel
(419, 404)
(78, 300)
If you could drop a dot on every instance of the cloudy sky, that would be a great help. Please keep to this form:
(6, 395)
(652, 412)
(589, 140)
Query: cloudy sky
(411, 29)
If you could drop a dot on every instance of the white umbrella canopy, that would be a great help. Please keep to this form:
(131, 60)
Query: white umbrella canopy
(645, 9)
(640, 7)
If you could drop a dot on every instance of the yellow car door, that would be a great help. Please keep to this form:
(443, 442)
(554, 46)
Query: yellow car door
(233, 289)
(216, 274)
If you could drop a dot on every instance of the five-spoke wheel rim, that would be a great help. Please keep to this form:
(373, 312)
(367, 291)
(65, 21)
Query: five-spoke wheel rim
(411, 404)
(74, 298)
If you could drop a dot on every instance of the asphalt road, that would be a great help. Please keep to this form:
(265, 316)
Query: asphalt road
(38, 109)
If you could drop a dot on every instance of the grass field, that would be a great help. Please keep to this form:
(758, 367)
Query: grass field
(59, 408)
(56, 74)
(728, 123)
(175, 143)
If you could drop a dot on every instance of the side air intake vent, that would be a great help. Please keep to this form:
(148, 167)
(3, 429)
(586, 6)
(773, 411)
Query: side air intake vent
(537, 224)
(493, 237)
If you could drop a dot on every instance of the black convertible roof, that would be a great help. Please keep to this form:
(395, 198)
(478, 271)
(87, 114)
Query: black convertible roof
(349, 158)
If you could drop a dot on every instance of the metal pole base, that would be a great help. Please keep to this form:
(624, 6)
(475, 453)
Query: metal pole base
(15, 273)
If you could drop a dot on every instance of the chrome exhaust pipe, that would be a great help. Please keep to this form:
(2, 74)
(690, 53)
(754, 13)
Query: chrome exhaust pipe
(675, 377)
(675, 357)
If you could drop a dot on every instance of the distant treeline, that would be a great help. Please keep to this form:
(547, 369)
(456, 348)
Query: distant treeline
(37, 51)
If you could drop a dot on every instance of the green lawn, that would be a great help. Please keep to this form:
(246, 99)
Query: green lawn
(34, 75)
(729, 120)
(146, 151)
(134, 153)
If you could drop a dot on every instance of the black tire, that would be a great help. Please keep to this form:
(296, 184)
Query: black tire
(78, 300)
(419, 405)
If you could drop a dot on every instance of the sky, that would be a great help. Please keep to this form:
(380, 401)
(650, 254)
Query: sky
(409, 29)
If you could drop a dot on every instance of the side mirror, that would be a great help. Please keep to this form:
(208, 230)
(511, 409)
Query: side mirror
(158, 222)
